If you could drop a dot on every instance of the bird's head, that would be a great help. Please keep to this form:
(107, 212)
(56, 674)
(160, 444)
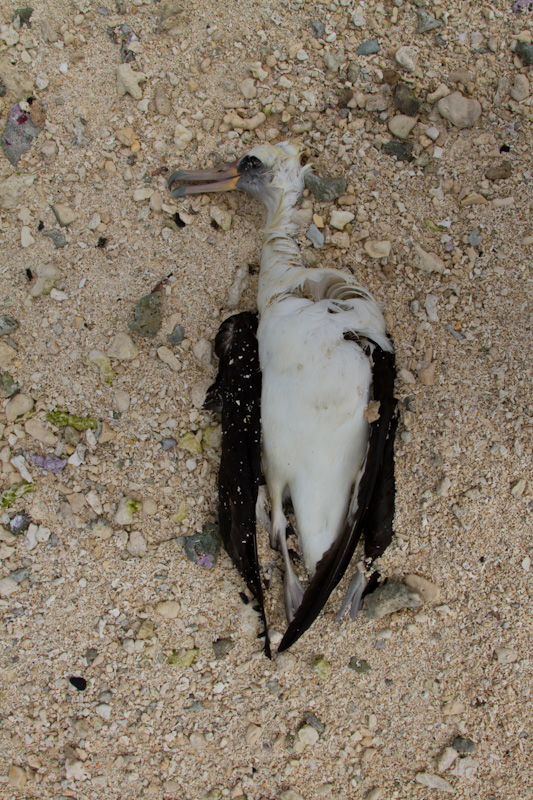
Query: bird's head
(264, 172)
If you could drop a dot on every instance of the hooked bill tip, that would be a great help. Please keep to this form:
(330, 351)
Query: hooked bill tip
(181, 191)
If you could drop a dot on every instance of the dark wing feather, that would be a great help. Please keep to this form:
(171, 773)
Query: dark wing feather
(236, 393)
(376, 523)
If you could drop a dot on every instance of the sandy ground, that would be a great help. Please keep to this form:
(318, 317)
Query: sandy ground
(99, 586)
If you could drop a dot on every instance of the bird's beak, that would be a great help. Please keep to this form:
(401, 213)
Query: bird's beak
(219, 179)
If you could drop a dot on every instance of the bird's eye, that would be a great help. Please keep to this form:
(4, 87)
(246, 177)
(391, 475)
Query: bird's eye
(249, 163)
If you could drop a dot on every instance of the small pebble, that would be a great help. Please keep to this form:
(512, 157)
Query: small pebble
(402, 150)
(147, 317)
(315, 236)
(122, 348)
(426, 22)
(524, 50)
(433, 782)
(202, 548)
(500, 172)
(64, 214)
(462, 745)
(429, 591)
(446, 759)
(136, 544)
(339, 219)
(504, 655)
(401, 125)
(17, 406)
(368, 48)
(222, 647)
(359, 665)
(378, 249)
(325, 189)
(405, 100)
(168, 609)
(465, 767)
(407, 57)
(463, 112)
(391, 597)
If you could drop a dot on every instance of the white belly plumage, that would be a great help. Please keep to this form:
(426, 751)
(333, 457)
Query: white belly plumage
(315, 390)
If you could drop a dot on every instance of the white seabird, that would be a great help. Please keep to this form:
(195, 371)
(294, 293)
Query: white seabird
(324, 355)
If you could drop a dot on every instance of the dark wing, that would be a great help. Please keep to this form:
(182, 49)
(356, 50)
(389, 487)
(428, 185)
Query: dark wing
(236, 394)
(375, 509)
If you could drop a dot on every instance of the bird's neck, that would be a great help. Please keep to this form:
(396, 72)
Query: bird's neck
(281, 254)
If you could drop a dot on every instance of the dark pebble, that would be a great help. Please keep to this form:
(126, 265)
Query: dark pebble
(463, 745)
(391, 76)
(19, 134)
(147, 317)
(314, 722)
(19, 575)
(8, 324)
(318, 27)
(3, 88)
(344, 98)
(79, 683)
(475, 238)
(90, 655)
(20, 523)
(405, 100)
(368, 48)
(525, 52)
(24, 15)
(352, 73)
(222, 647)
(56, 236)
(426, 22)
(177, 335)
(359, 665)
(499, 172)
(202, 548)
(325, 189)
(402, 150)
(8, 384)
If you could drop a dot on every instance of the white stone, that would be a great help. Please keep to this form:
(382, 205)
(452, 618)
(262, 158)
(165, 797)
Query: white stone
(203, 350)
(429, 591)
(12, 188)
(433, 781)
(122, 348)
(463, 112)
(248, 89)
(103, 710)
(378, 249)
(339, 219)
(136, 544)
(520, 89)
(128, 81)
(166, 355)
(26, 239)
(446, 759)
(168, 609)
(7, 354)
(17, 406)
(433, 133)
(122, 400)
(407, 57)
(222, 217)
(401, 125)
(428, 262)
(7, 587)
(301, 55)
(182, 137)
(127, 507)
(74, 770)
(253, 734)
(64, 214)
(505, 655)
(308, 735)
(465, 767)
